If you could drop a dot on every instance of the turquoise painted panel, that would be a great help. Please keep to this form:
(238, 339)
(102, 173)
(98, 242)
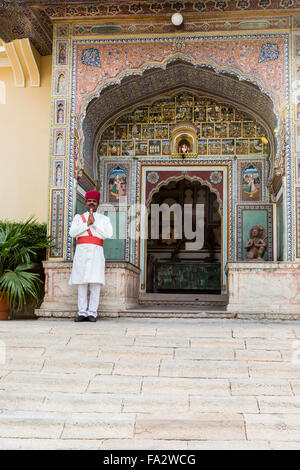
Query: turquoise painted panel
(114, 248)
(250, 218)
(280, 230)
(80, 207)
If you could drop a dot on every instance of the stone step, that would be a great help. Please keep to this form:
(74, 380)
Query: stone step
(194, 300)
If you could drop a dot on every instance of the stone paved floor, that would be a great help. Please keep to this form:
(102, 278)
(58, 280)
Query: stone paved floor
(129, 383)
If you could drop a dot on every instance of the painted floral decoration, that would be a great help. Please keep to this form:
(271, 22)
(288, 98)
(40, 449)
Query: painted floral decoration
(152, 177)
(216, 177)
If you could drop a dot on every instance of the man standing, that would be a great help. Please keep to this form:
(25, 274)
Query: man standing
(88, 269)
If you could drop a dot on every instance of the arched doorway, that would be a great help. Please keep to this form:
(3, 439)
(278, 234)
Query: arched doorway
(184, 239)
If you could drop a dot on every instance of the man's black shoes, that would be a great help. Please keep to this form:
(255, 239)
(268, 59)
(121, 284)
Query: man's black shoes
(80, 318)
(91, 318)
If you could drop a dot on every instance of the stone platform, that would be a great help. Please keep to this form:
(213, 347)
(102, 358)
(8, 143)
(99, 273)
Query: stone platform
(125, 383)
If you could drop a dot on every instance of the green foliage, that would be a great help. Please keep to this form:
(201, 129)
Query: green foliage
(22, 249)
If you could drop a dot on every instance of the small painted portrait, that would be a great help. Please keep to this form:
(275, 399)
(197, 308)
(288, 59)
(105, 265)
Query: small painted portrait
(60, 88)
(184, 114)
(202, 147)
(297, 139)
(148, 131)
(114, 148)
(227, 146)
(248, 129)
(255, 146)
(102, 149)
(184, 146)
(297, 46)
(298, 170)
(297, 108)
(141, 115)
(141, 147)
(121, 131)
(242, 146)
(235, 129)
(168, 114)
(127, 148)
(207, 129)
(60, 112)
(166, 147)
(213, 112)
(161, 131)
(126, 119)
(214, 147)
(221, 129)
(155, 115)
(58, 173)
(134, 131)
(116, 184)
(297, 76)
(184, 99)
(199, 114)
(227, 113)
(251, 184)
(59, 142)
(154, 147)
(61, 52)
(109, 133)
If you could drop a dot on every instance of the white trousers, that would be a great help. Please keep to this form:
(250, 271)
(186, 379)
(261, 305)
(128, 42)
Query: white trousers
(84, 308)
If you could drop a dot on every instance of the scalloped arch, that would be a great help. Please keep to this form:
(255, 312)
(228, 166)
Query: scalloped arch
(133, 87)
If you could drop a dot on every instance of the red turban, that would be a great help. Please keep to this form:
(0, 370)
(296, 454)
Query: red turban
(92, 195)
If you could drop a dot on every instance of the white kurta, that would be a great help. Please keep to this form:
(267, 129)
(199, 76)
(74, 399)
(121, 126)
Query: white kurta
(89, 262)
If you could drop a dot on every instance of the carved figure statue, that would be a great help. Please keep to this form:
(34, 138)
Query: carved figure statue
(256, 244)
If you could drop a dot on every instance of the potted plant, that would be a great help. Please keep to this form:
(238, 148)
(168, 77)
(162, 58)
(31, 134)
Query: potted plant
(19, 280)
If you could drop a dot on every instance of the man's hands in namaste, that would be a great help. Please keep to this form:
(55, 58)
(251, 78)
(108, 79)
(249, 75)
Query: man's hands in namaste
(91, 218)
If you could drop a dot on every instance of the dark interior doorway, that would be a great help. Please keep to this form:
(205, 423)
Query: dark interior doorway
(173, 264)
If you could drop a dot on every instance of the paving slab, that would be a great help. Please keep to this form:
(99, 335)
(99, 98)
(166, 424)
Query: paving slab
(248, 387)
(186, 386)
(191, 426)
(276, 426)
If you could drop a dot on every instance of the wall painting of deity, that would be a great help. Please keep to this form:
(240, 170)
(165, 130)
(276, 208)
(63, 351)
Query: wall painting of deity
(250, 183)
(62, 53)
(61, 79)
(116, 182)
(298, 170)
(60, 111)
(58, 173)
(297, 138)
(297, 108)
(297, 46)
(59, 142)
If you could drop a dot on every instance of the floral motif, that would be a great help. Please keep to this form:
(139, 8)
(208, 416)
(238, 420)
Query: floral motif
(71, 11)
(268, 52)
(221, 4)
(216, 177)
(114, 9)
(156, 7)
(242, 4)
(152, 177)
(93, 9)
(91, 57)
(199, 6)
(286, 3)
(178, 6)
(264, 3)
(135, 7)
(50, 11)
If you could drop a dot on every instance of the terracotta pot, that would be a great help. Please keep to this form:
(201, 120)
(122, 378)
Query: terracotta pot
(4, 308)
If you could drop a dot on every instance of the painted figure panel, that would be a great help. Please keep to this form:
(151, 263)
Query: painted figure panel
(117, 184)
(251, 176)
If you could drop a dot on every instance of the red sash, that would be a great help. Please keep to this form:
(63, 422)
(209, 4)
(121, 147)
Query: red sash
(90, 238)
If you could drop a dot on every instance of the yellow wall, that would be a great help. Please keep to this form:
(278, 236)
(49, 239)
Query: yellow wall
(24, 146)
